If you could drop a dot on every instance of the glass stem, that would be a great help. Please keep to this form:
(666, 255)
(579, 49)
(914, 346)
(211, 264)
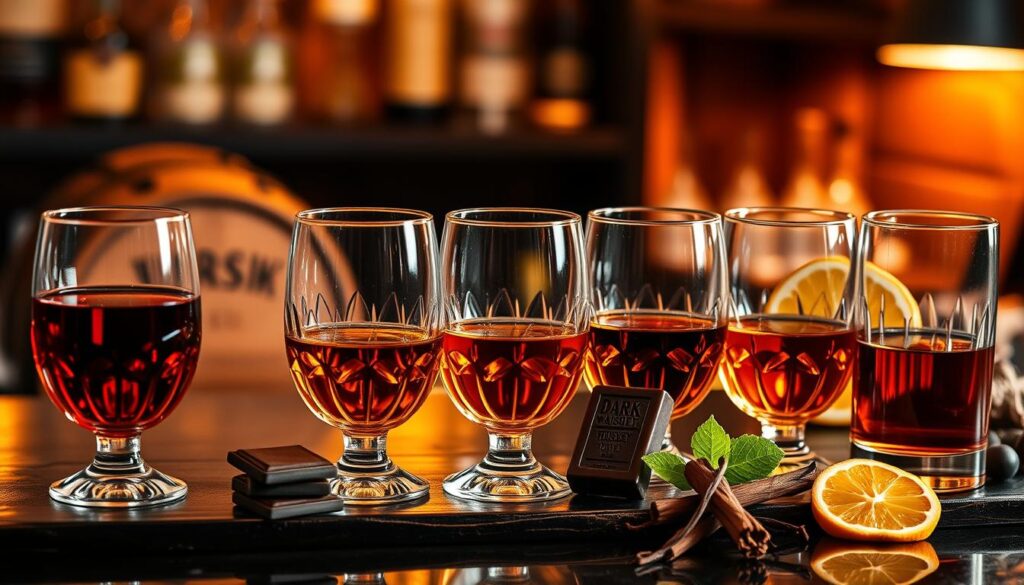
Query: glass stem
(789, 438)
(118, 456)
(509, 452)
(365, 455)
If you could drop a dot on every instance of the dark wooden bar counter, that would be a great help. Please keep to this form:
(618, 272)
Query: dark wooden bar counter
(204, 538)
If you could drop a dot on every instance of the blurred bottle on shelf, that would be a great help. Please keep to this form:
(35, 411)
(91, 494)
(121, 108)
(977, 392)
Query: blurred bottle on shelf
(806, 186)
(417, 55)
(338, 65)
(189, 74)
(263, 92)
(494, 67)
(103, 67)
(846, 189)
(563, 77)
(30, 40)
(748, 186)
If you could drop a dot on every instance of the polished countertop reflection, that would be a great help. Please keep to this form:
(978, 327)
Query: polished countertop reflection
(35, 439)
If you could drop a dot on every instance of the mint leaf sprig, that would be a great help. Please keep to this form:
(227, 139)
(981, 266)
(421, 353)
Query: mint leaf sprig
(750, 457)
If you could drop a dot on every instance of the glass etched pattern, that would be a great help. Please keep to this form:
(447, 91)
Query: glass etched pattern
(516, 372)
(668, 350)
(658, 276)
(790, 350)
(363, 333)
(923, 393)
(518, 308)
(366, 377)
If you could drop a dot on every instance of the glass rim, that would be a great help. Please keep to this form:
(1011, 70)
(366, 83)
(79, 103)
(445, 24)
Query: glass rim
(317, 216)
(977, 221)
(697, 216)
(558, 217)
(82, 215)
(829, 217)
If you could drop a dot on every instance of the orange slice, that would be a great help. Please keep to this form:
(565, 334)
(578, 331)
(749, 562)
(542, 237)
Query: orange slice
(816, 289)
(860, 499)
(845, 563)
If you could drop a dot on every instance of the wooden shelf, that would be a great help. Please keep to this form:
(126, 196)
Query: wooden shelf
(304, 143)
(835, 24)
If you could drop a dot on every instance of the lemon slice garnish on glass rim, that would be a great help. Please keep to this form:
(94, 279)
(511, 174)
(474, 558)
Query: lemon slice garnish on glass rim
(817, 288)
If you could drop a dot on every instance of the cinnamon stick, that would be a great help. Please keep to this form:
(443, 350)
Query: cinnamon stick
(678, 545)
(750, 536)
(685, 538)
(672, 510)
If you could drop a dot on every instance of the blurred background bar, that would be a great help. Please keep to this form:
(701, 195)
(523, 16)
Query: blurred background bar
(245, 111)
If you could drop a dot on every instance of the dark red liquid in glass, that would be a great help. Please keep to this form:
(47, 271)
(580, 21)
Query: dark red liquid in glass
(922, 400)
(511, 375)
(674, 352)
(116, 360)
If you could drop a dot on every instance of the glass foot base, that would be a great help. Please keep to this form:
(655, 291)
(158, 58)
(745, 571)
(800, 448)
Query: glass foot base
(92, 488)
(944, 473)
(394, 486)
(480, 483)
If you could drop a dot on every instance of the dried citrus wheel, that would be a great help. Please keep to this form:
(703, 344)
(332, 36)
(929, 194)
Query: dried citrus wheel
(816, 289)
(849, 563)
(860, 499)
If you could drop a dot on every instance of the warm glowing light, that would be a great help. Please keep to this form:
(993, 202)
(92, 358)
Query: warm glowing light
(952, 57)
(561, 114)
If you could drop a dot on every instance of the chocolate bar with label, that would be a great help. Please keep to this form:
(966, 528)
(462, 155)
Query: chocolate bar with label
(620, 427)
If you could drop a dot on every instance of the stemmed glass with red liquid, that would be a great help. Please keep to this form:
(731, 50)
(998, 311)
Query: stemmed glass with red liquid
(790, 349)
(115, 338)
(517, 296)
(363, 325)
(922, 397)
(660, 296)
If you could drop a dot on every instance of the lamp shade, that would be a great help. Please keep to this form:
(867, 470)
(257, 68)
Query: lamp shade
(981, 35)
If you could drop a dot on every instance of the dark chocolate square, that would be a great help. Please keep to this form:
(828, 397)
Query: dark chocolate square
(276, 465)
(621, 425)
(288, 508)
(316, 488)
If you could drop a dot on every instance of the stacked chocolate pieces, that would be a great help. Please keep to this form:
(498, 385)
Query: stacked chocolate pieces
(283, 482)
